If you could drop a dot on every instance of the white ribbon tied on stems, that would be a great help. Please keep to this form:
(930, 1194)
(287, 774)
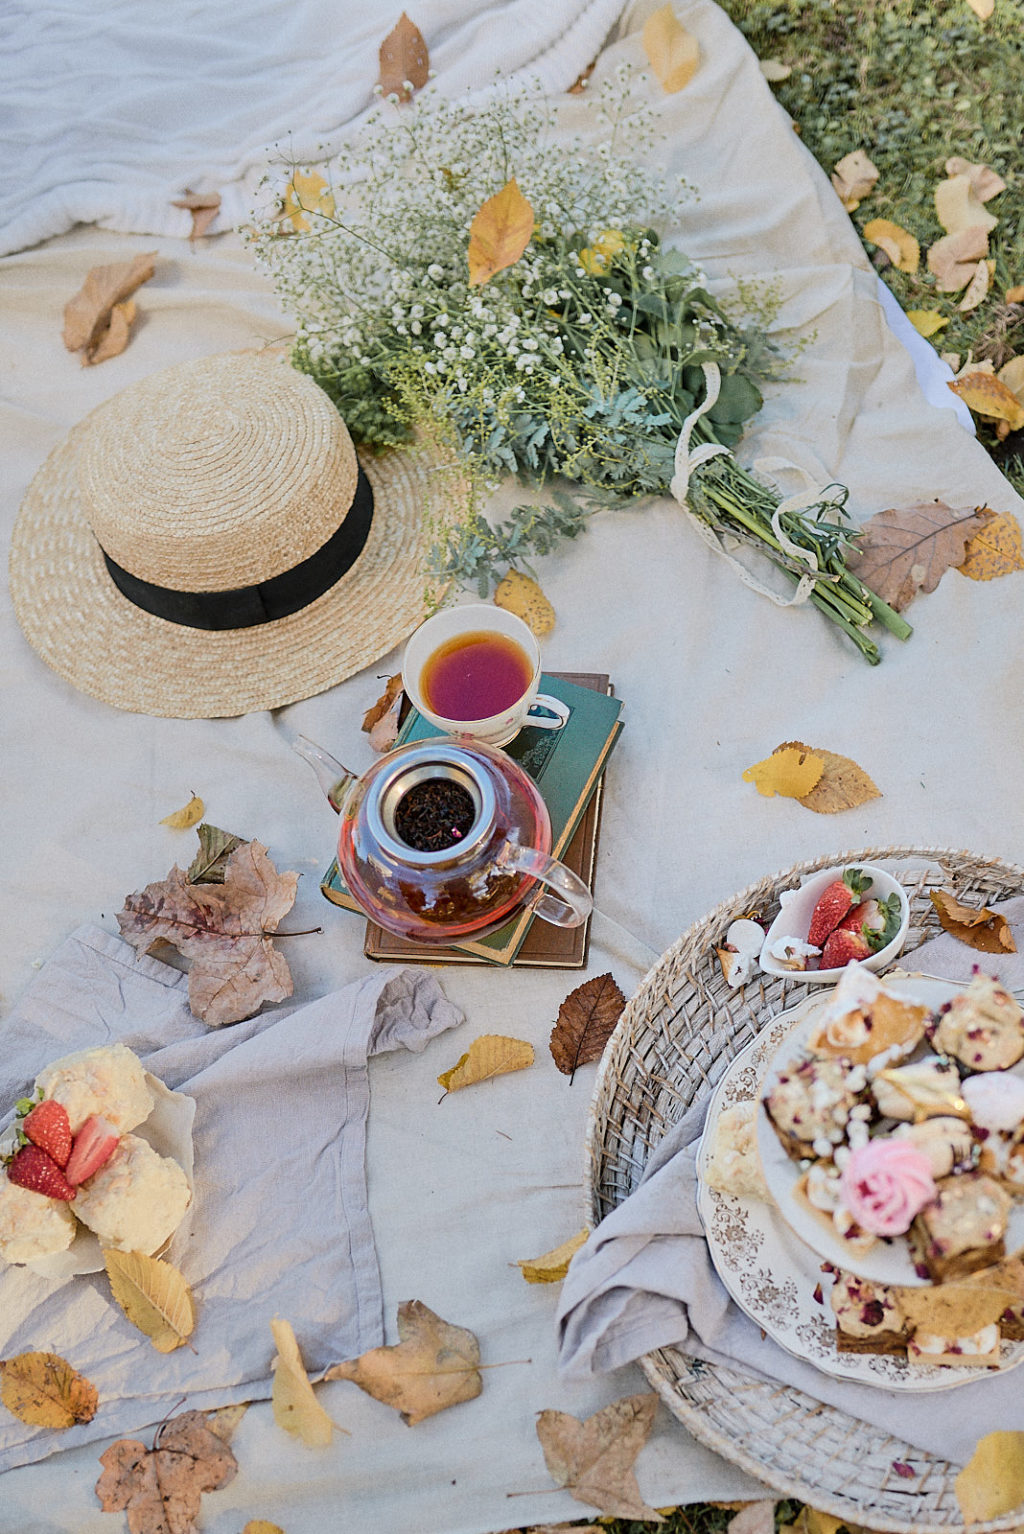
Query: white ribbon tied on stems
(685, 464)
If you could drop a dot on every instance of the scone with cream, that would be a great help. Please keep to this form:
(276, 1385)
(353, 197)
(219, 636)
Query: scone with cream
(864, 1020)
(32, 1225)
(983, 1027)
(136, 1200)
(108, 1081)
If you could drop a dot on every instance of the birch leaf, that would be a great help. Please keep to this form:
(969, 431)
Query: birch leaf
(982, 8)
(901, 552)
(843, 784)
(774, 70)
(500, 232)
(223, 1420)
(978, 927)
(898, 243)
(753, 1518)
(188, 816)
(790, 771)
(989, 396)
(404, 60)
(154, 1296)
(586, 1021)
(261, 1526)
(1012, 375)
(552, 1267)
(992, 1481)
(492, 1054)
(853, 178)
(958, 208)
(296, 1408)
(995, 550)
(434, 1366)
(926, 321)
(673, 53)
(43, 1390)
(594, 1459)
(87, 315)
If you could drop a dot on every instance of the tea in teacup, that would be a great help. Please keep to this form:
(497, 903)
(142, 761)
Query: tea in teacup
(475, 675)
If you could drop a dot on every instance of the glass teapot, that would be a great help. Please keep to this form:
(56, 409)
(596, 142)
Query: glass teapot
(446, 838)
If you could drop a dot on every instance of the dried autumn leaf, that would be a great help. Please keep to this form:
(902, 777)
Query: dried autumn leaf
(306, 193)
(383, 703)
(926, 321)
(988, 395)
(810, 1521)
(982, 8)
(203, 206)
(985, 182)
(898, 243)
(434, 1366)
(223, 1420)
(992, 1481)
(995, 550)
(774, 70)
(161, 1488)
(979, 928)
(594, 1459)
(790, 771)
(586, 1021)
(215, 847)
(188, 816)
(296, 1408)
(753, 1518)
(901, 552)
(853, 178)
(581, 81)
(500, 232)
(958, 208)
(518, 594)
(977, 288)
(43, 1390)
(1015, 295)
(116, 336)
(552, 1267)
(953, 259)
(492, 1054)
(843, 784)
(404, 60)
(87, 315)
(1012, 375)
(154, 1296)
(225, 929)
(261, 1526)
(672, 52)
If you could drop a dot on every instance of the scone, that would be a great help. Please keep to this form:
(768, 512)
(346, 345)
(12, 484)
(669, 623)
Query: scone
(810, 1105)
(108, 1081)
(963, 1228)
(733, 1165)
(32, 1225)
(983, 1027)
(136, 1199)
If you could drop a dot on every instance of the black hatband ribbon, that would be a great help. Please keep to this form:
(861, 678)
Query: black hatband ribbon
(246, 606)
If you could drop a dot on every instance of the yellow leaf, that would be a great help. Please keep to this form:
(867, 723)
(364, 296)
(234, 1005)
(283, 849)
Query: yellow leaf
(992, 1481)
(154, 1297)
(554, 1265)
(306, 193)
(842, 785)
(1015, 295)
(223, 1420)
(261, 1526)
(899, 245)
(499, 233)
(43, 1390)
(976, 288)
(982, 8)
(853, 178)
(1012, 375)
(518, 594)
(985, 182)
(958, 207)
(954, 258)
(296, 1408)
(996, 550)
(988, 396)
(790, 771)
(774, 70)
(493, 1054)
(434, 1366)
(188, 816)
(926, 321)
(673, 53)
(597, 258)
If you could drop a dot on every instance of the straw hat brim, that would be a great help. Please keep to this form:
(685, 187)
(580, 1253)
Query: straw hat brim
(89, 633)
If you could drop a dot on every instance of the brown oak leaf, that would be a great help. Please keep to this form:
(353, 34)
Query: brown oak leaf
(586, 1021)
(224, 929)
(87, 316)
(901, 552)
(433, 1367)
(593, 1460)
(203, 206)
(161, 1488)
(404, 60)
(43, 1390)
(979, 928)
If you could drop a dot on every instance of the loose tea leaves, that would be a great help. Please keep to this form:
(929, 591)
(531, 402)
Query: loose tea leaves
(434, 815)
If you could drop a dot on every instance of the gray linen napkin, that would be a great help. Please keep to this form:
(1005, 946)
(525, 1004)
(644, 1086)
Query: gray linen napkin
(645, 1280)
(280, 1224)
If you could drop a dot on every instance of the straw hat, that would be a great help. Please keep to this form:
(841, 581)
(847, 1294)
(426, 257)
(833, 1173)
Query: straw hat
(206, 543)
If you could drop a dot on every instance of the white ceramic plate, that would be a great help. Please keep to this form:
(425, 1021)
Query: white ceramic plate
(794, 919)
(772, 1275)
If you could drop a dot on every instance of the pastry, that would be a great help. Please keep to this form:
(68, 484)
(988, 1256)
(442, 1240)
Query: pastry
(136, 1199)
(868, 1316)
(108, 1082)
(884, 1184)
(963, 1228)
(980, 1350)
(863, 1020)
(983, 1027)
(810, 1105)
(32, 1225)
(947, 1143)
(733, 1165)
(928, 1088)
(818, 1191)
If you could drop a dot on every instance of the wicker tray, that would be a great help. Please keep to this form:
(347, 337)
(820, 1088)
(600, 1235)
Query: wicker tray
(674, 1040)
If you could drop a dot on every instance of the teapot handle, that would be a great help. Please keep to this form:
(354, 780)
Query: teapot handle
(567, 902)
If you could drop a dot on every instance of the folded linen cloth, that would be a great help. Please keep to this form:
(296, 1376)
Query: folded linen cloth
(645, 1280)
(280, 1224)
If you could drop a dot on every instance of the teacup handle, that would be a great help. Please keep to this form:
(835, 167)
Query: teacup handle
(567, 902)
(555, 706)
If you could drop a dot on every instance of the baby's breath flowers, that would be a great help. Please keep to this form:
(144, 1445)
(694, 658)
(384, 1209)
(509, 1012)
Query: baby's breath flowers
(581, 360)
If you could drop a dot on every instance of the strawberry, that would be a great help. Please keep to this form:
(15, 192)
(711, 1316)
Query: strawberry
(841, 946)
(48, 1126)
(32, 1168)
(833, 904)
(877, 921)
(94, 1145)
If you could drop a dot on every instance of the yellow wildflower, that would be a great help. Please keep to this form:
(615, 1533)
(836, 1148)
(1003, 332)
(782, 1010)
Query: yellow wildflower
(597, 258)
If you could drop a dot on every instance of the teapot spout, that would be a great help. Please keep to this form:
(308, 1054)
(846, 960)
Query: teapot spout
(334, 779)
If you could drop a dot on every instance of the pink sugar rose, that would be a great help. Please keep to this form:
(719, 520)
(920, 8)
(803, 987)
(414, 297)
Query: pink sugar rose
(884, 1185)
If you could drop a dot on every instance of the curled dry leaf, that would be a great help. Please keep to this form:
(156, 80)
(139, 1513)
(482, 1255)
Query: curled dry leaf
(586, 1021)
(189, 815)
(518, 594)
(551, 1267)
(989, 396)
(434, 1366)
(215, 847)
(899, 245)
(985, 182)
(154, 1296)
(958, 208)
(995, 550)
(87, 316)
(977, 288)
(992, 1481)
(594, 1459)
(223, 1420)
(672, 52)
(203, 206)
(790, 771)
(753, 1518)
(375, 713)
(926, 321)
(43, 1390)
(404, 60)
(492, 1054)
(296, 1408)
(981, 928)
(307, 192)
(116, 336)
(500, 232)
(161, 1488)
(853, 178)
(954, 259)
(902, 552)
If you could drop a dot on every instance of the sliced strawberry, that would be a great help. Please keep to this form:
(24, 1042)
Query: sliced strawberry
(48, 1126)
(32, 1168)
(877, 921)
(94, 1145)
(841, 946)
(834, 902)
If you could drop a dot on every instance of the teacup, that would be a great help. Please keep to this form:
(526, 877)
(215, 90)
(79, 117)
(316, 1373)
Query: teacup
(475, 671)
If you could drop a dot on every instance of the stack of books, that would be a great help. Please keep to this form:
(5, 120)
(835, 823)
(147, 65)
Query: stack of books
(568, 766)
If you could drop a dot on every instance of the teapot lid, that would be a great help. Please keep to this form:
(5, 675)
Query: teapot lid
(439, 760)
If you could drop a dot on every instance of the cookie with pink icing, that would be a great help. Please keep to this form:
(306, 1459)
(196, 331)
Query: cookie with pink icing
(885, 1184)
